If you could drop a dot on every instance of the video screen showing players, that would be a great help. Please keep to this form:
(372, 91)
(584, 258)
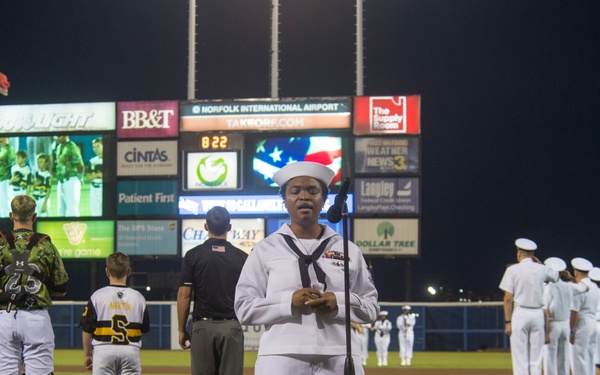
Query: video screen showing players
(63, 173)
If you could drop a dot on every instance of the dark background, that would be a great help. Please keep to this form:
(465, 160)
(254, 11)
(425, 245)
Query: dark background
(509, 90)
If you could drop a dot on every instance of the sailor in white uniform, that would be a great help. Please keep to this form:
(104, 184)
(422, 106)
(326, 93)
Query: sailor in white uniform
(583, 320)
(293, 283)
(523, 286)
(557, 304)
(406, 335)
(594, 274)
(382, 328)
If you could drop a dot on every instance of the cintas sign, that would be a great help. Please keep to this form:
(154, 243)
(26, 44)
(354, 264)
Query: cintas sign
(157, 119)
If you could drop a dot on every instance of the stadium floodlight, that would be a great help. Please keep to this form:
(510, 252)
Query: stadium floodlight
(431, 290)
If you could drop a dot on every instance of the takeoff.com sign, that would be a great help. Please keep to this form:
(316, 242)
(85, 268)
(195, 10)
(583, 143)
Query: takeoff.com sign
(387, 114)
(158, 119)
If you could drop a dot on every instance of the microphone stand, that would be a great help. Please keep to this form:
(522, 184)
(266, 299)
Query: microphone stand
(349, 364)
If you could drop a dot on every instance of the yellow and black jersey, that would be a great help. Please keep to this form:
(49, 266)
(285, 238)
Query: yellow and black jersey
(116, 315)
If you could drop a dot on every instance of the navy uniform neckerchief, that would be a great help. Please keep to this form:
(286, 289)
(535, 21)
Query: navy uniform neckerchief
(304, 260)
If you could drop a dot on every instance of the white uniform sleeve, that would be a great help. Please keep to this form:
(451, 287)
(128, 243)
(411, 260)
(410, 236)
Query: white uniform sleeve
(252, 306)
(363, 295)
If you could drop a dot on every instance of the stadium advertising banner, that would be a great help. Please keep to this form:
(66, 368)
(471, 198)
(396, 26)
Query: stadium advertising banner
(147, 158)
(212, 170)
(386, 195)
(54, 118)
(266, 114)
(387, 115)
(244, 204)
(386, 155)
(147, 197)
(159, 119)
(244, 233)
(80, 239)
(147, 237)
(387, 236)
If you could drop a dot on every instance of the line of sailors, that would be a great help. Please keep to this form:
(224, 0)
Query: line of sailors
(552, 317)
(382, 328)
(573, 320)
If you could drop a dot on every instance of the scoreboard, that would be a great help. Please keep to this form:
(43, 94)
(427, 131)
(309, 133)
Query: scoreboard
(167, 162)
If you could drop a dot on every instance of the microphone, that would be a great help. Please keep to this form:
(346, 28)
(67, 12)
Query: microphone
(334, 213)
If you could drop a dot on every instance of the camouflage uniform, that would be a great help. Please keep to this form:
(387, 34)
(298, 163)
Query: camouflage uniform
(27, 335)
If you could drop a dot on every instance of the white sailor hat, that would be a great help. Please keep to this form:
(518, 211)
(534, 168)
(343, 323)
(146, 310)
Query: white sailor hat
(556, 264)
(594, 274)
(383, 312)
(581, 264)
(405, 307)
(525, 244)
(304, 168)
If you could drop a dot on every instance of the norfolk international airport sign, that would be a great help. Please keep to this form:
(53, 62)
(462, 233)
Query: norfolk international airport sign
(387, 236)
(266, 114)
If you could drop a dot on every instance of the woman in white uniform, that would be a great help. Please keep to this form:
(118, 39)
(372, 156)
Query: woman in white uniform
(297, 293)
(406, 335)
(382, 328)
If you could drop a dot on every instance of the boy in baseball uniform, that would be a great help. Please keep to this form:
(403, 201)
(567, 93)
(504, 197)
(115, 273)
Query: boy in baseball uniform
(113, 322)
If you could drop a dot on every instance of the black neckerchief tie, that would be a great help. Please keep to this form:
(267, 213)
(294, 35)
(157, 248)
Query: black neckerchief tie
(304, 260)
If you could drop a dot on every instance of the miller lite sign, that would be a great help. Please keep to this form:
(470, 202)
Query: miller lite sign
(157, 119)
(387, 115)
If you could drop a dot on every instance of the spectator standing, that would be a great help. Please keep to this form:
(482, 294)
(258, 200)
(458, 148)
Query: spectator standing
(210, 273)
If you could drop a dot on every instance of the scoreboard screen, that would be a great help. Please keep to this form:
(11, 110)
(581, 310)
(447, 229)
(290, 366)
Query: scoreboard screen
(212, 170)
(271, 153)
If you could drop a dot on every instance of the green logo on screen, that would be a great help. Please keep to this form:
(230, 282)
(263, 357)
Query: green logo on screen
(212, 170)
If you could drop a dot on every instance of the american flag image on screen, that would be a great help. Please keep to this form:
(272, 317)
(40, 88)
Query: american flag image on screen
(271, 154)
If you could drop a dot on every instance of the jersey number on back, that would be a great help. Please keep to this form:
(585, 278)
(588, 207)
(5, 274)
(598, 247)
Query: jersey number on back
(32, 286)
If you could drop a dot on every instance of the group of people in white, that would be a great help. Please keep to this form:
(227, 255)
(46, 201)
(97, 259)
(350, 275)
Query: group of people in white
(382, 328)
(552, 317)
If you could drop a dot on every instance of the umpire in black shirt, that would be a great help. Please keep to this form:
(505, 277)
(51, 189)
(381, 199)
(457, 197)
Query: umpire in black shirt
(210, 272)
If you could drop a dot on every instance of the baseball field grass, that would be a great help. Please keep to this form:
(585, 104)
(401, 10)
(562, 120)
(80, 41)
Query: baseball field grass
(169, 362)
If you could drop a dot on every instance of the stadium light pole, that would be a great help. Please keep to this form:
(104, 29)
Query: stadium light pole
(359, 49)
(191, 86)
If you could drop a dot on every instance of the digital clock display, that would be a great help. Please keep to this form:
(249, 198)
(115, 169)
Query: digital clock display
(221, 141)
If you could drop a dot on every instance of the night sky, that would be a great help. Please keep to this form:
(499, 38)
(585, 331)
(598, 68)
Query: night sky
(510, 101)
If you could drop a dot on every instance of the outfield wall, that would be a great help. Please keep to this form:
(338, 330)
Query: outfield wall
(439, 326)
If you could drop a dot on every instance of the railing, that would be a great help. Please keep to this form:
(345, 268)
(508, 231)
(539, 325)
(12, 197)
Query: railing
(439, 326)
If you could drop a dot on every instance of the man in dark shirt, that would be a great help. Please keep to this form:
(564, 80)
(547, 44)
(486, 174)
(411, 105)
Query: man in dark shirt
(211, 271)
